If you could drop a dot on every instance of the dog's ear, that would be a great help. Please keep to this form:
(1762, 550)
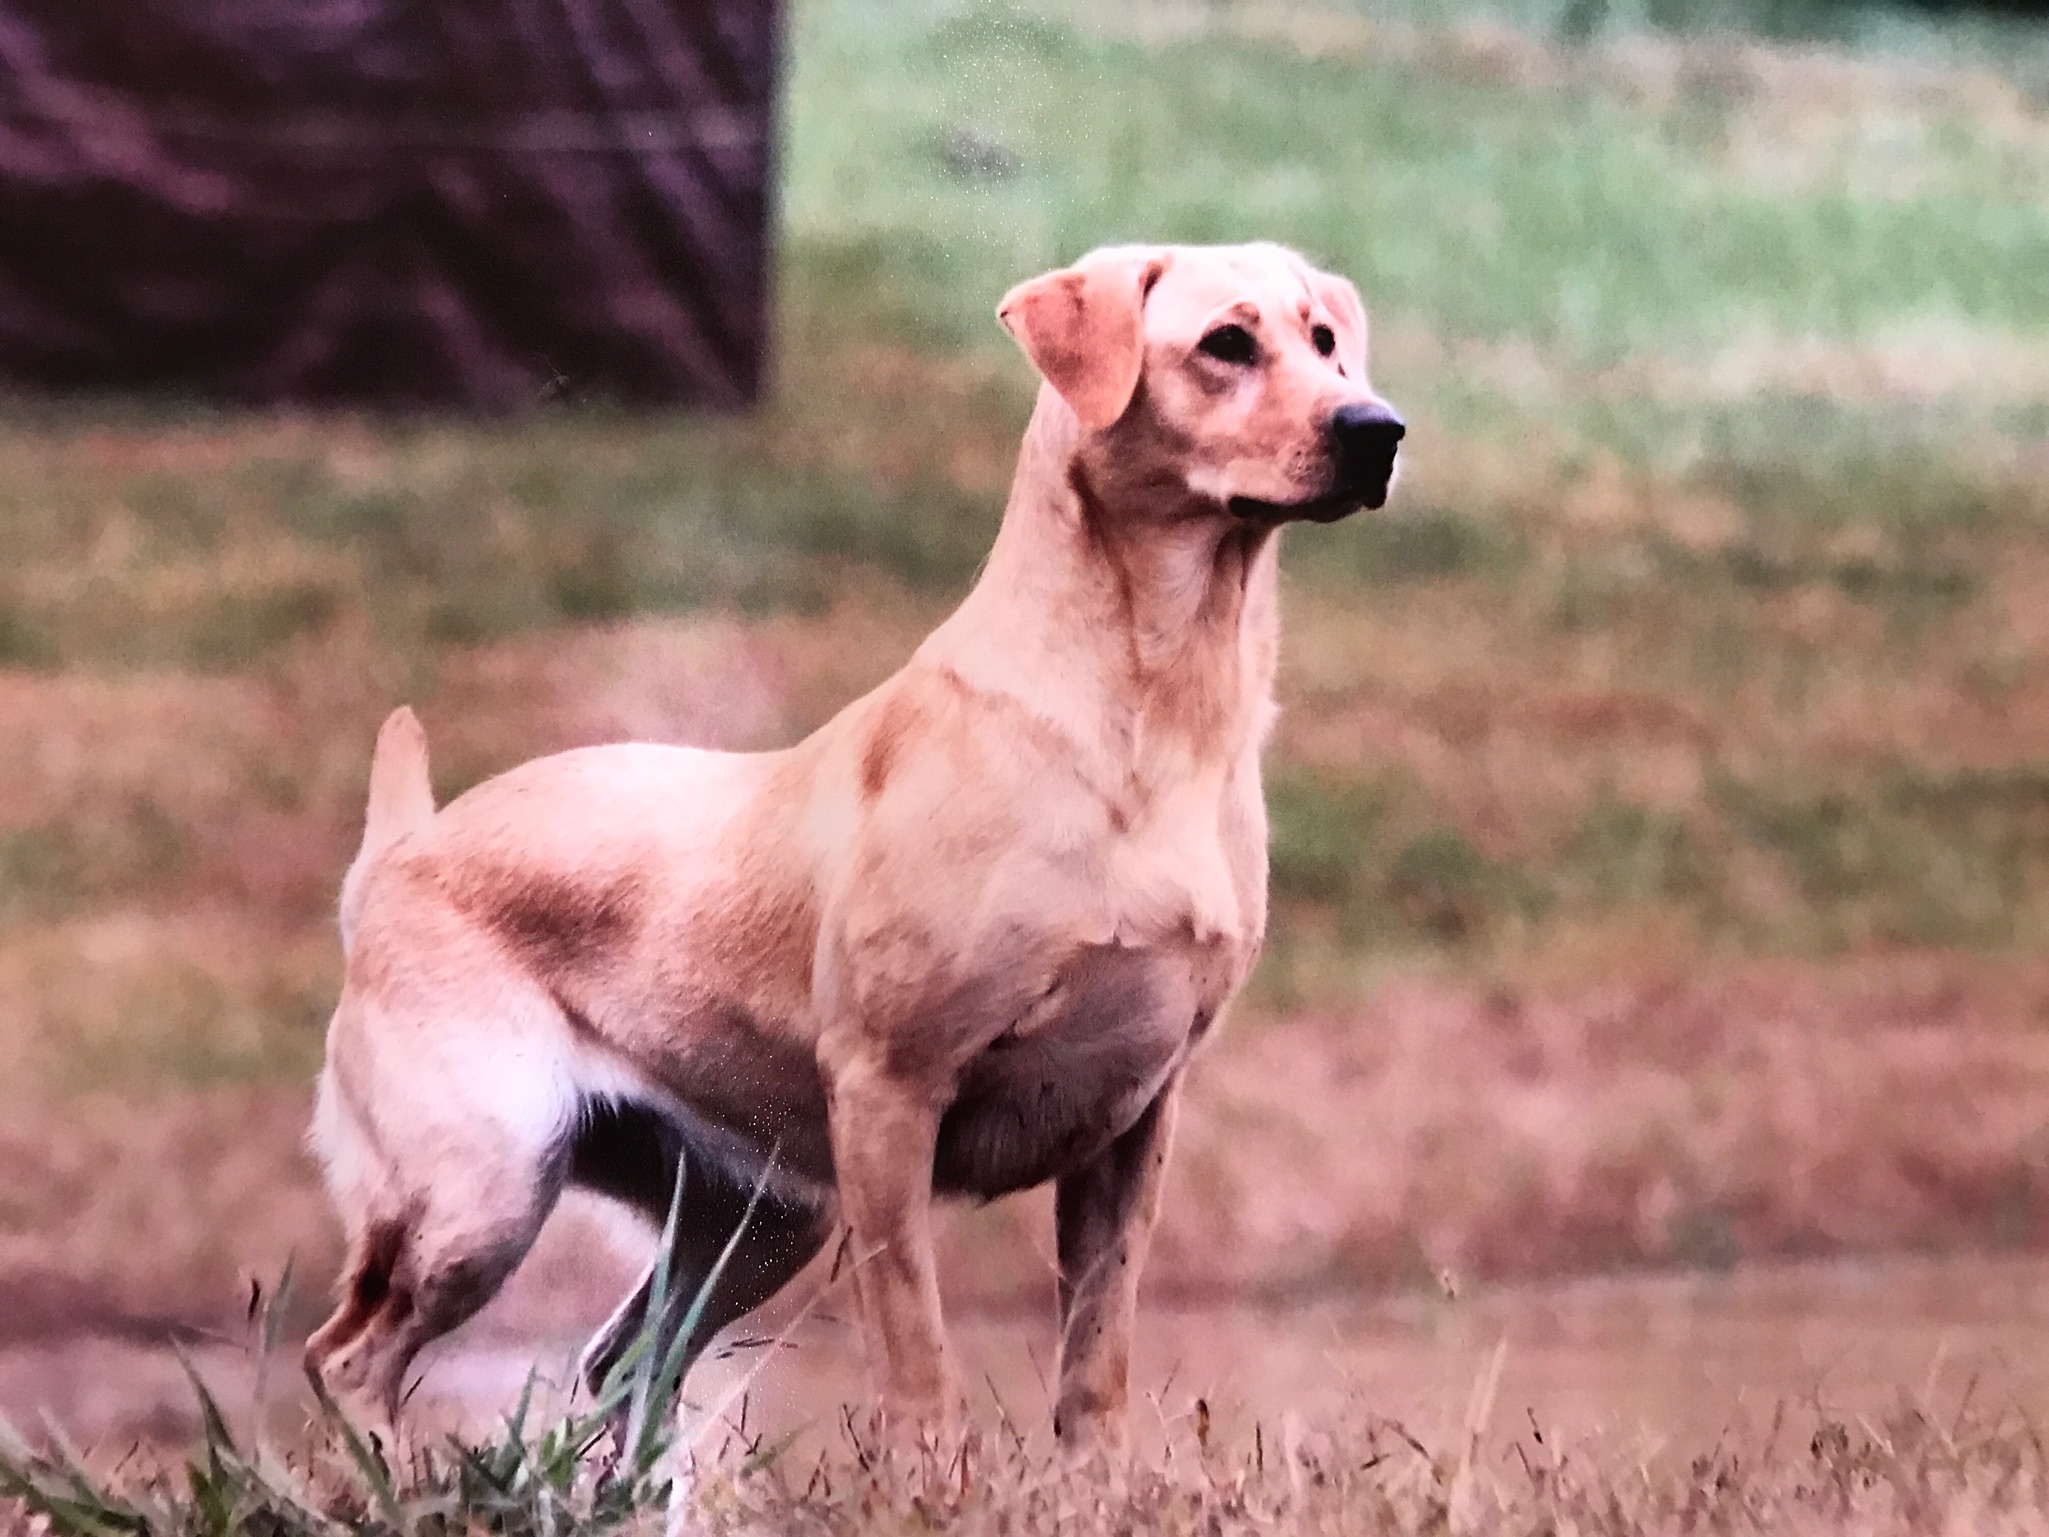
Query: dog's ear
(1082, 327)
(1347, 318)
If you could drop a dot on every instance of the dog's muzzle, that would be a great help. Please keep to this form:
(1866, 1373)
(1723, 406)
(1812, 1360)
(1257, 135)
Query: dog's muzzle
(1364, 435)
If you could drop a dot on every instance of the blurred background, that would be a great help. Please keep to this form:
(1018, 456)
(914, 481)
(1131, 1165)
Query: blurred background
(1661, 802)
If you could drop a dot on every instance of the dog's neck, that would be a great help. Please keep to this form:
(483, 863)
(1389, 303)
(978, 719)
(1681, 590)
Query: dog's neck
(1152, 628)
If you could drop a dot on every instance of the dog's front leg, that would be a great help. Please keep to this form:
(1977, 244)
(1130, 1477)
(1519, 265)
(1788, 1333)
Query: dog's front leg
(1104, 1213)
(884, 1132)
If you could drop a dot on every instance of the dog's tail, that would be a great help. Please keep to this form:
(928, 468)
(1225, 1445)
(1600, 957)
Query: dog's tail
(401, 802)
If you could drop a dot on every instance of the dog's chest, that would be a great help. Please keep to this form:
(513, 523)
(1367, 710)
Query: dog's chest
(1194, 862)
(1053, 1092)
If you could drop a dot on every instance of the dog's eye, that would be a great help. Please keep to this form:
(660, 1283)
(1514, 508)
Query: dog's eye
(1230, 344)
(1324, 339)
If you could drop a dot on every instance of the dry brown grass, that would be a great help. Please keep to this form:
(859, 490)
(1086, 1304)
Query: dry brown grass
(1908, 1473)
(1928, 1466)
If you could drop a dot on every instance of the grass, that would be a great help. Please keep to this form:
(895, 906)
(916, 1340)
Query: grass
(1677, 740)
(541, 1481)
(1923, 1467)
(1742, 437)
(1590, 225)
(1660, 807)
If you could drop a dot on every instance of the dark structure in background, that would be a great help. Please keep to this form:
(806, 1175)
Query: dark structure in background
(475, 204)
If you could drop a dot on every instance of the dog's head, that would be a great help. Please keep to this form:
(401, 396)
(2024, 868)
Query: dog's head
(1238, 372)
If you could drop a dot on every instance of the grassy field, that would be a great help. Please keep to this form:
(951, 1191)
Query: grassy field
(1661, 804)
(1946, 1457)
(1912, 1474)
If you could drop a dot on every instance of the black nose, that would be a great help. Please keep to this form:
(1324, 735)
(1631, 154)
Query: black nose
(1365, 433)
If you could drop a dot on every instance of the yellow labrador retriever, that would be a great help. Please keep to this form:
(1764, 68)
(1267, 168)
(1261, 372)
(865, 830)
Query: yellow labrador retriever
(960, 941)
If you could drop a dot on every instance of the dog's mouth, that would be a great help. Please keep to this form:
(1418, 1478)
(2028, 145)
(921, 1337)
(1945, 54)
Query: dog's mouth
(1327, 508)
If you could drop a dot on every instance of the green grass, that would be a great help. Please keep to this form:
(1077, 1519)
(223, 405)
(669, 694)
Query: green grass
(1565, 216)
(538, 1478)
(1901, 858)
(61, 867)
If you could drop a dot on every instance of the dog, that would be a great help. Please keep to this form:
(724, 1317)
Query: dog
(960, 941)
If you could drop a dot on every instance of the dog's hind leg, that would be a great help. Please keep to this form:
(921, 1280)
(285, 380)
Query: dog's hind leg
(780, 1236)
(442, 1193)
